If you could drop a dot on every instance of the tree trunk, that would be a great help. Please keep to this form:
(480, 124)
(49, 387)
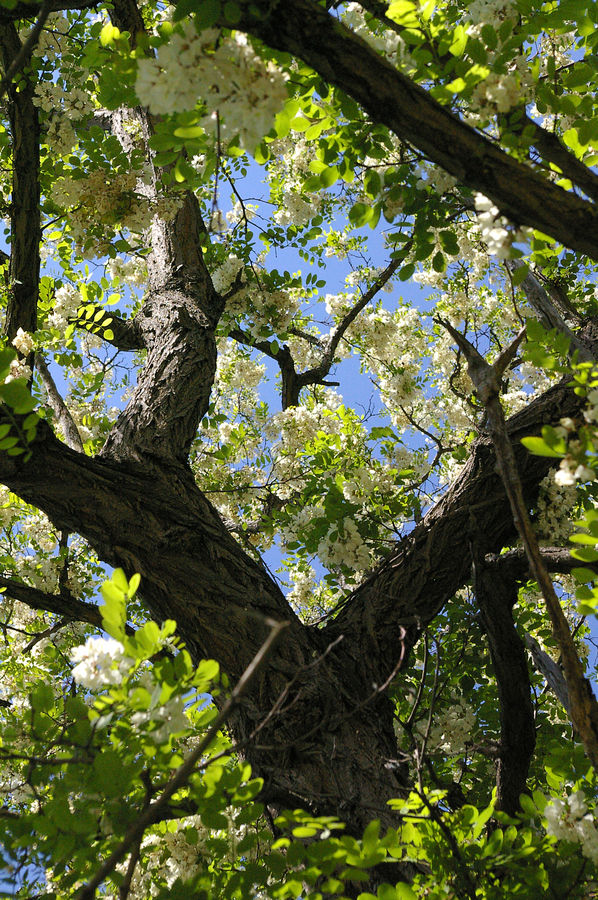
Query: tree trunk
(316, 725)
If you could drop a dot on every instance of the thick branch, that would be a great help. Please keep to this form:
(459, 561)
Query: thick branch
(515, 564)
(24, 54)
(126, 335)
(156, 522)
(173, 388)
(24, 209)
(176, 323)
(307, 30)
(496, 597)
(63, 604)
(434, 561)
(26, 10)
(584, 707)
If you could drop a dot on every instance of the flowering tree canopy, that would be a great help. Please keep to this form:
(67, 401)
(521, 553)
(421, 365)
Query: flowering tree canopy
(300, 332)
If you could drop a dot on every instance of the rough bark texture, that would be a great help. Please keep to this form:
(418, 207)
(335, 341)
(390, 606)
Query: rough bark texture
(25, 219)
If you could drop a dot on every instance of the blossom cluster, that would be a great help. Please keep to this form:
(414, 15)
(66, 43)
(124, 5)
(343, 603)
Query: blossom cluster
(105, 200)
(288, 169)
(132, 271)
(344, 545)
(100, 662)
(555, 505)
(225, 73)
(495, 230)
(23, 342)
(571, 820)
(268, 310)
(67, 300)
(452, 728)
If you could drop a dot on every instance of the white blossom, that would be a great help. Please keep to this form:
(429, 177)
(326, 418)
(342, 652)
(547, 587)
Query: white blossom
(570, 820)
(23, 342)
(226, 74)
(100, 662)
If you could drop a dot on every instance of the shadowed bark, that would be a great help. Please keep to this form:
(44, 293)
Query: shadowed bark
(329, 745)
(25, 217)
(496, 597)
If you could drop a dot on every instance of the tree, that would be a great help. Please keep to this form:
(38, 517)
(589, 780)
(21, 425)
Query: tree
(464, 133)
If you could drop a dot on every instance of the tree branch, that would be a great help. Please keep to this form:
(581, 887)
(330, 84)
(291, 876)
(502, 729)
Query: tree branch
(515, 563)
(126, 335)
(284, 358)
(24, 10)
(321, 370)
(306, 30)
(25, 216)
(486, 378)
(551, 671)
(431, 563)
(546, 142)
(496, 597)
(24, 54)
(63, 604)
(58, 406)
(547, 313)
(176, 323)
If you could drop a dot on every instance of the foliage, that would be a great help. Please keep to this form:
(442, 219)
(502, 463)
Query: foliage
(205, 168)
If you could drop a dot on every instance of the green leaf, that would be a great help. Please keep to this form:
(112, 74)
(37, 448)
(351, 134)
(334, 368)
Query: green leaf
(42, 697)
(206, 13)
(404, 892)
(539, 447)
(189, 131)
(108, 35)
(459, 41)
(403, 12)
(519, 275)
(439, 262)
(585, 554)
(360, 214)
(120, 580)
